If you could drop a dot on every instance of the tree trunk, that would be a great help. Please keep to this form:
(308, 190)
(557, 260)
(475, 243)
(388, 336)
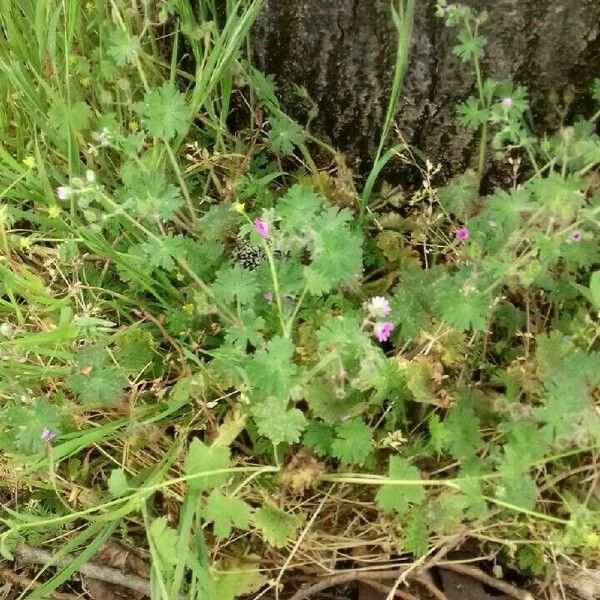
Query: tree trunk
(343, 52)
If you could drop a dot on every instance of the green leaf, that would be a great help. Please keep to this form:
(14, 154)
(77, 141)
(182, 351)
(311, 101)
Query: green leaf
(134, 350)
(95, 383)
(226, 512)
(164, 252)
(152, 195)
(458, 197)
(336, 252)
(409, 304)
(271, 371)
(165, 541)
(117, 483)
(284, 135)
(236, 283)
(353, 442)
(399, 497)
(75, 117)
(122, 47)
(297, 210)
(474, 503)
(247, 331)
(277, 423)
(458, 302)
(595, 288)
(240, 579)
(276, 526)
(416, 536)
(438, 434)
(319, 437)
(470, 114)
(520, 491)
(28, 423)
(202, 458)
(164, 112)
(462, 432)
(470, 46)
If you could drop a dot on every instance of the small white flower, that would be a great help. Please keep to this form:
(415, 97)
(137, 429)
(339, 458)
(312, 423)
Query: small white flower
(378, 306)
(63, 192)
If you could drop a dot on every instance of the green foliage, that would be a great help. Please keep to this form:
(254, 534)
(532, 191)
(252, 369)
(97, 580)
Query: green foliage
(94, 381)
(27, 422)
(319, 437)
(236, 284)
(470, 46)
(276, 526)
(165, 540)
(398, 497)
(204, 459)
(117, 483)
(164, 112)
(284, 135)
(353, 442)
(125, 202)
(226, 512)
(277, 422)
(458, 198)
(123, 48)
(416, 536)
(152, 196)
(271, 371)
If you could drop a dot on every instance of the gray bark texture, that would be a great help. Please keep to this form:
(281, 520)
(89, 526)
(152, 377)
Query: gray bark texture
(343, 53)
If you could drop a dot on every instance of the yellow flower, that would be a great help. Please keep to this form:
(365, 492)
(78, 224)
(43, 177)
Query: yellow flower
(133, 126)
(239, 208)
(24, 242)
(29, 161)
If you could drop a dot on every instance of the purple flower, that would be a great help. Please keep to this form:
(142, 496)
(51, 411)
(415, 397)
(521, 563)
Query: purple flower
(63, 192)
(462, 234)
(576, 236)
(378, 306)
(47, 435)
(507, 102)
(268, 296)
(383, 330)
(261, 228)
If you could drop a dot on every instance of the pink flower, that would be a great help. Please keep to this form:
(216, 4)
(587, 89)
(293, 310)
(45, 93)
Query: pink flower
(575, 236)
(378, 306)
(47, 435)
(261, 228)
(507, 102)
(383, 330)
(462, 234)
(268, 296)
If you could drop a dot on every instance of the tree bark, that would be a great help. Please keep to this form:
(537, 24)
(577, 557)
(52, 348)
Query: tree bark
(343, 52)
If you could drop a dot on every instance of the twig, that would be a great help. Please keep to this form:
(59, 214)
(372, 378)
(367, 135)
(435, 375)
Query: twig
(25, 582)
(486, 579)
(431, 587)
(37, 556)
(384, 590)
(348, 577)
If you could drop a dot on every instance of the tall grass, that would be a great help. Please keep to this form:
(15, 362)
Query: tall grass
(403, 21)
(58, 86)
